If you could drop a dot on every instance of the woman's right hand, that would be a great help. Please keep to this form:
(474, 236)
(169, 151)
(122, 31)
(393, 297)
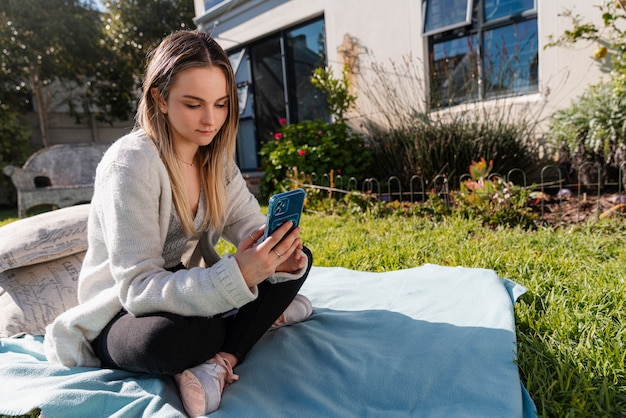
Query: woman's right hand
(258, 262)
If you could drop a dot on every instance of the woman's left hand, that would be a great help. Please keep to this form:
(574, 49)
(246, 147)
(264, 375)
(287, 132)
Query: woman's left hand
(295, 261)
(280, 252)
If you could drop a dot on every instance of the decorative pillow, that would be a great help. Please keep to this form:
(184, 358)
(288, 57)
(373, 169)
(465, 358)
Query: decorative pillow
(47, 236)
(32, 296)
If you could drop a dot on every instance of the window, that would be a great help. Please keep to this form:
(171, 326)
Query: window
(273, 78)
(490, 55)
(440, 16)
(210, 4)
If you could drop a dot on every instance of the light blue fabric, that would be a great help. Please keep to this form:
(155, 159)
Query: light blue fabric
(429, 341)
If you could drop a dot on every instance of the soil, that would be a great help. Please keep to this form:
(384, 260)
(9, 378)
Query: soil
(571, 210)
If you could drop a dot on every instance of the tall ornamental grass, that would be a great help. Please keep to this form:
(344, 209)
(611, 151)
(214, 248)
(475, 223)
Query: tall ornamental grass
(408, 137)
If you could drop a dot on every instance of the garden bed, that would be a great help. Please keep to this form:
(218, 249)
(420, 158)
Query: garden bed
(576, 210)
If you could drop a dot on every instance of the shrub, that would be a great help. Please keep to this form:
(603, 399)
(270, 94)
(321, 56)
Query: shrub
(438, 144)
(492, 199)
(315, 146)
(591, 132)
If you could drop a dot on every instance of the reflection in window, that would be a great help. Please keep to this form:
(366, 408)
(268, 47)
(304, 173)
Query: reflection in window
(511, 58)
(268, 82)
(440, 16)
(495, 9)
(455, 70)
(306, 46)
(274, 83)
(494, 56)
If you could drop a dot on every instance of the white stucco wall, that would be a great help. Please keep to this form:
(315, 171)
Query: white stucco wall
(565, 72)
(392, 30)
(388, 32)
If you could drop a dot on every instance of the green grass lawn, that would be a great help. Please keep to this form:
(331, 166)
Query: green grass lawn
(570, 323)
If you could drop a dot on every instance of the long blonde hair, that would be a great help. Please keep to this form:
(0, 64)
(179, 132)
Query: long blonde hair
(177, 52)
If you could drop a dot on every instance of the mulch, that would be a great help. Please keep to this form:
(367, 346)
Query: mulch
(579, 209)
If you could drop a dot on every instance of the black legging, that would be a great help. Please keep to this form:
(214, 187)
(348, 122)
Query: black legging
(166, 343)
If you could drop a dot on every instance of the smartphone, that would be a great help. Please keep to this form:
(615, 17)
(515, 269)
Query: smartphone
(284, 207)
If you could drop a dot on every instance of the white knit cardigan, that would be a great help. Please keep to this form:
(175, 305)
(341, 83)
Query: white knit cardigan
(124, 265)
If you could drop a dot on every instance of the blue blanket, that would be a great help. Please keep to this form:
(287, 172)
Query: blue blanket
(429, 341)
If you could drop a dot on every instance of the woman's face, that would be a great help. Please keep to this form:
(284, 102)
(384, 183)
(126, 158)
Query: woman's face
(197, 106)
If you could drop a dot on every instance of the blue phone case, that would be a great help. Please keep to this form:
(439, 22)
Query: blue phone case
(284, 207)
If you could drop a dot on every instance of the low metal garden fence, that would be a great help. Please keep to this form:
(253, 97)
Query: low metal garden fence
(552, 184)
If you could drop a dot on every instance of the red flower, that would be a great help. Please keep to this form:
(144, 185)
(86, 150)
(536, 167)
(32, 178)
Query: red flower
(301, 152)
(282, 121)
(278, 136)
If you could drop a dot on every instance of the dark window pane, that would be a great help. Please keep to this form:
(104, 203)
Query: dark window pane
(511, 59)
(247, 146)
(454, 71)
(306, 52)
(446, 14)
(495, 9)
(268, 82)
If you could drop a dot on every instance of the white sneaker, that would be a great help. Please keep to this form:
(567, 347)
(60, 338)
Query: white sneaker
(201, 387)
(298, 310)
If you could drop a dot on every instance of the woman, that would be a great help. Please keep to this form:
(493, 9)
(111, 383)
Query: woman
(154, 296)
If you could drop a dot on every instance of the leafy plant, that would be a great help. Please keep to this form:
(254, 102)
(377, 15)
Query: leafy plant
(609, 37)
(338, 99)
(492, 199)
(591, 132)
(315, 146)
(45, 48)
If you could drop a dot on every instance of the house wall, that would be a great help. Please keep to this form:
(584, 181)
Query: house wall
(391, 31)
(565, 72)
(63, 129)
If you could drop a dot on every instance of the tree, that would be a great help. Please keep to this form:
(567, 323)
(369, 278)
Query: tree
(47, 44)
(137, 26)
(70, 49)
(131, 29)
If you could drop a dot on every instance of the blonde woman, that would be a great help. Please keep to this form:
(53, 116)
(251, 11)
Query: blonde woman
(154, 295)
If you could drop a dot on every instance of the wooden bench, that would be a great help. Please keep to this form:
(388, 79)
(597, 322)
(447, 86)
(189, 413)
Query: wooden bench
(59, 175)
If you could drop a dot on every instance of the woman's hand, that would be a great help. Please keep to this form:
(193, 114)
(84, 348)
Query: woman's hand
(261, 261)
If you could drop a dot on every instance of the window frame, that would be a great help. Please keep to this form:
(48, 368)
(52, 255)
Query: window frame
(460, 24)
(251, 100)
(215, 5)
(477, 28)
